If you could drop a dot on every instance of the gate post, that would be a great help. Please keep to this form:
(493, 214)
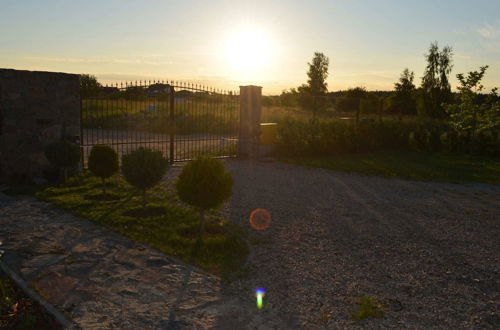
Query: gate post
(250, 110)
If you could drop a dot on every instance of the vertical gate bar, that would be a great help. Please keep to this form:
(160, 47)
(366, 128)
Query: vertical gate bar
(158, 117)
(125, 126)
(204, 118)
(215, 128)
(236, 123)
(130, 104)
(114, 105)
(199, 111)
(119, 102)
(179, 113)
(220, 124)
(192, 100)
(206, 138)
(172, 117)
(81, 134)
(139, 133)
(106, 116)
(133, 105)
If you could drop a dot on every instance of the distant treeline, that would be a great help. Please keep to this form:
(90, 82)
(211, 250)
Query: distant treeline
(369, 102)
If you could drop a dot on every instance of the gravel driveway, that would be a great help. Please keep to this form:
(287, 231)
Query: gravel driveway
(429, 251)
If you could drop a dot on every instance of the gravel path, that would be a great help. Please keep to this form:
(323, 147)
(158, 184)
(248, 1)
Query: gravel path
(429, 251)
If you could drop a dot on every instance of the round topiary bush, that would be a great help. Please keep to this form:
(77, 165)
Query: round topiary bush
(205, 184)
(144, 168)
(63, 155)
(103, 163)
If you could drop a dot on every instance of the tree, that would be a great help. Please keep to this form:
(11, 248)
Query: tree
(469, 116)
(205, 184)
(144, 168)
(103, 163)
(435, 82)
(318, 72)
(312, 96)
(403, 99)
(89, 85)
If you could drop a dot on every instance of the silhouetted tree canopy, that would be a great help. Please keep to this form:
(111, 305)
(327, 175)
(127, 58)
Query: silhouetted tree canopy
(403, 101)
(318, 73)
(89, 85)
(435, 83)
(312, 96)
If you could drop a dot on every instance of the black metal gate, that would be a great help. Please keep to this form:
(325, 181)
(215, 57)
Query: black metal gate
(181, 120)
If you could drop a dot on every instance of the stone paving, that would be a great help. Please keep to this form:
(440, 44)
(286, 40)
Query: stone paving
(101, 280)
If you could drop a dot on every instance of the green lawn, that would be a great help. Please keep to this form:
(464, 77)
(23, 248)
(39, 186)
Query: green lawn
(424, 166)
(173, 231)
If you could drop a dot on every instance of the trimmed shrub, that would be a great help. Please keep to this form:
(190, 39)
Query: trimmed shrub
(204, 184)
(63, 155)
(103, 163)
(143, 169)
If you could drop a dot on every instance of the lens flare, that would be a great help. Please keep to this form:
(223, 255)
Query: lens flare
(259, 294)
(260, 219)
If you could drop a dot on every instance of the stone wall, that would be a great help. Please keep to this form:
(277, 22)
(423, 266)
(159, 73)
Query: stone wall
(36, 108)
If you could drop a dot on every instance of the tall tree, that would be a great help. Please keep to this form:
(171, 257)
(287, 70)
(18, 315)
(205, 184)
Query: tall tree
(312, 96)
(318, 72)
(435, 83)
(403, 99)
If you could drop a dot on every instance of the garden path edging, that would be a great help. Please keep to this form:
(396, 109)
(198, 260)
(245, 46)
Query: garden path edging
(58, 316)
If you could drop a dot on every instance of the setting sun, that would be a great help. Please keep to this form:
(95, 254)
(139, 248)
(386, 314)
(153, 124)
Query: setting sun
(248, 49)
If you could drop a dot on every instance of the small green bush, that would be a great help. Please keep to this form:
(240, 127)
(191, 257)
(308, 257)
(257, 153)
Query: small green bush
(143, 169)
(103, 163)
(205, 184)
(63, 155)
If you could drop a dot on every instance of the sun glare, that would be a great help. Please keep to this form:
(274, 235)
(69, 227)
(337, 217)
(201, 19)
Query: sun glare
(249, 50)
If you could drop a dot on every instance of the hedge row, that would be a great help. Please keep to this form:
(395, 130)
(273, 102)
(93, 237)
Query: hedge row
(334, 137)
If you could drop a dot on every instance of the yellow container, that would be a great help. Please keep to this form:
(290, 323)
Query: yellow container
(269, 132)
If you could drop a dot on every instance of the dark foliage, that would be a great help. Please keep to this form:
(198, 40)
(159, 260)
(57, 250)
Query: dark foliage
(103, 162)
(204, 183)
(63, 155)
(144, 168)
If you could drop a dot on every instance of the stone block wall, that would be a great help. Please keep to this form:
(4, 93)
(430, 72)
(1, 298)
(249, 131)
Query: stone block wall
(36, 108)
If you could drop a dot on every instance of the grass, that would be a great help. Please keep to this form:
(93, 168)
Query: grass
(423, 166)
(368, 307)
(169, 227)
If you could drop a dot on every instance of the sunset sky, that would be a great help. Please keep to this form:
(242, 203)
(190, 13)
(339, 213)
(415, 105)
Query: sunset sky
(225, 44)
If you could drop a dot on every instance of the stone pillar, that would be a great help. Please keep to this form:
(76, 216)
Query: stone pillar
(36, 108)
(250, 110)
